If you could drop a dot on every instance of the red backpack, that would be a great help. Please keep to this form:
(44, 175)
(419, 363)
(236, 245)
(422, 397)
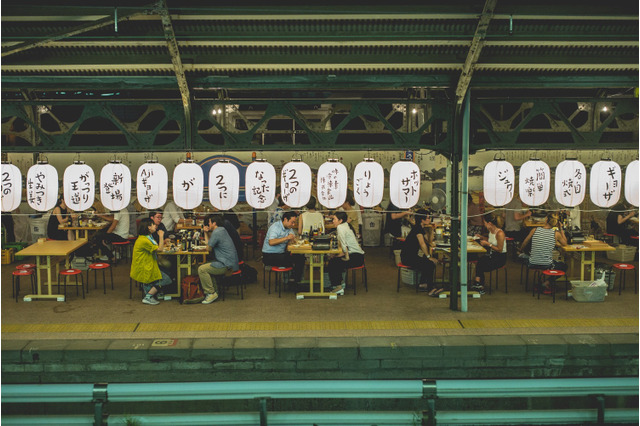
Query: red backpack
(191, 291)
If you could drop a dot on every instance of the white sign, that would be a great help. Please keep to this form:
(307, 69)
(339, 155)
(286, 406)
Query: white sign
(11, 187)
(115, 186)
(260, 184)
(404, 184)
(535, 181)
(499, 183)
(571, 183)
(332, 184)
(368, 184)
(631, 179)
(152, 185)
(79, 184)
(42, 187)
(605, 184)
(295, 184)
(224, 185)
(188, 185)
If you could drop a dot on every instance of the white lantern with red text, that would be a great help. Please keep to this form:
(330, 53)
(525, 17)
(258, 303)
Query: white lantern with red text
(404, 184)
(499, 183)
(295, 184)
(535, 182)
(224, 185)
(571, 183)
(368, 183)
(11, 187)
(115, 186)
(79, 185)
(188, 185)
(152, 185)
(631, 183)
(42, 186)
(605, 185)
(332, 181)
(260, 184)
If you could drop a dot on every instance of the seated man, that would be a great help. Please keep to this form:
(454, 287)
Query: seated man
(274, 249)
(171, 216)
(118, 232)
(226, 258)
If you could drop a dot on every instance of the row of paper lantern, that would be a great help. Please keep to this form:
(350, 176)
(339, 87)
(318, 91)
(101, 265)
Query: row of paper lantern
(224, 184)
(605, 185)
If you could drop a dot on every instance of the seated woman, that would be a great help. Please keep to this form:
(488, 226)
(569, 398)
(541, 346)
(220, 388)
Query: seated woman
(311, 219)
(144, 262)
(417, 252)
(352, 254)
(543, 241)
(619, 223)
(60, 215)
(497, 250)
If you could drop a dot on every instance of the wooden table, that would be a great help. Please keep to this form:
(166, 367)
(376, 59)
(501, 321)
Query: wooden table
(473, 248)
(316, 259)
(533, 223)
(182, 226)
(180, 265)
(583, 249)
(49, 249)
(84, 229)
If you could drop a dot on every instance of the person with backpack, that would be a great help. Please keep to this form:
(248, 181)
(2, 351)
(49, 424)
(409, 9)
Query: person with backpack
(144, 262)
(226, 258)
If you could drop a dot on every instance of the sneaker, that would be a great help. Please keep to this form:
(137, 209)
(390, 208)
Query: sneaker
(150, 301)
(479, 289)
(160, 296)
(210, 298)
(338, 290)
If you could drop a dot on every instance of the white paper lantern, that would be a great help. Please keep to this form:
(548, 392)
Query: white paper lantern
(79, 186)
(115, 186)
(260, 184)
(535, 182)
(152, 185)
(11, 187)
(224, 185)
(368, 183)
(188, 185)
(631, 179)
(332, 184)
(404, 184)
(295, 184)
(571, 183)
(605, 185)
(42, 186)
(499, 183)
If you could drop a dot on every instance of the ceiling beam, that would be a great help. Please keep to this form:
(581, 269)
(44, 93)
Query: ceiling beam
(474, 51)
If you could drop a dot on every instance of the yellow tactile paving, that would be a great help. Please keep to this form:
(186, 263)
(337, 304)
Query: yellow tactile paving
(318, 325)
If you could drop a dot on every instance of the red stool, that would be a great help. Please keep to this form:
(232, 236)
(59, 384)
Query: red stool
(363, 277)
(26, 266)
(623, 268)
(70, 272)
(553, 274)
(99, 266)
(16, 281)
(121, 248)
(402, 266)
(234, 279)
(279, 271)
(609, 238)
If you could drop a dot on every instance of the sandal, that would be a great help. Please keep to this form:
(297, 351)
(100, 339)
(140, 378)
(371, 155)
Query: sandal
(423, 287)
(436, 293)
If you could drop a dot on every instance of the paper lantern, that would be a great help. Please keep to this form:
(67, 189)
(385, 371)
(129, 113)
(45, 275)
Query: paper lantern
(188, 185)
(631, 183)
(605, 183)
(224, 185)
(42, 186)
(404, 184)
(79, 186)
(368, 183)
(152, 185)
(11, 187)
(295, 184)
(571, 183)
(535, 182)
(499, 183)
(332, 184)
(260, 184)
(115, 186)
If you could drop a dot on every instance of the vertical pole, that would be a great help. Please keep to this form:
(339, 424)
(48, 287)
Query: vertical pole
(463, 202)
(263, 407)
(455, 218)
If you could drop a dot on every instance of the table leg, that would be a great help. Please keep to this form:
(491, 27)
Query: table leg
(582, 265)
(312, 292)
(321, 274)
(40, 294)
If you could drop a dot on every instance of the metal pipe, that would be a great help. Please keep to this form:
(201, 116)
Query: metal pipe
(538, 417)
(47, 393)
(464, 205)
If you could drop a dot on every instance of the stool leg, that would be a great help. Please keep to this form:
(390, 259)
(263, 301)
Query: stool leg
(506, 281)
(16, 287)
(366, 287)
(65, 287)
(398, 286)
(111, 273)
(104, 281)
(620, 281)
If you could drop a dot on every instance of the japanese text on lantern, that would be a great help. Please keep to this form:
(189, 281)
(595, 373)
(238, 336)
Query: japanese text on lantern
(612, 184)
(572, 187)
(535, 182)
(222, 187)
(36, 189)
(145, 176)
(363, 184)
(329, 184)
(80, 189)
(261, 187)
(7, 185)
(188, 183)
(112, 188)
(410, 185)
(290, 184)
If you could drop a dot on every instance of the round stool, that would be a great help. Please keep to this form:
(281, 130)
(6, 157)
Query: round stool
(121, 248)
(99, 266)
(16, 281)
(623, 268)
(234, 278)
(26, 266)
(553, 274)
(70, 272)
(506, 282)
(363, 277)
(279, 271)
(609, 238)
(402, 266)
(247, 240)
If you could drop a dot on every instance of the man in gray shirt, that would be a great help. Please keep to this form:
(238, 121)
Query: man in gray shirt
(226, 258)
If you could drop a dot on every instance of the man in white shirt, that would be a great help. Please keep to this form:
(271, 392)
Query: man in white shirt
(172, 215)
(118, 231)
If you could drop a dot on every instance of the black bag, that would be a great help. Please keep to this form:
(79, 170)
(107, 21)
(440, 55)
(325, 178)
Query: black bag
(249, 274)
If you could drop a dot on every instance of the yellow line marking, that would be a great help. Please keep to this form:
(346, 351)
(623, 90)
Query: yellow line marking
(318, 325)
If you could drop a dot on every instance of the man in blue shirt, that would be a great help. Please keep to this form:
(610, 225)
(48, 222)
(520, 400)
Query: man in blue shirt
(225, 254)
(274, 249)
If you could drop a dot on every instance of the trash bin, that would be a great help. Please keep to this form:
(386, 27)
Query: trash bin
(371, 229)
(38, 225)
(609, 274)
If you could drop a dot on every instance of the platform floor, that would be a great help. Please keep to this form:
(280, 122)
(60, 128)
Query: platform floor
(379, 312)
